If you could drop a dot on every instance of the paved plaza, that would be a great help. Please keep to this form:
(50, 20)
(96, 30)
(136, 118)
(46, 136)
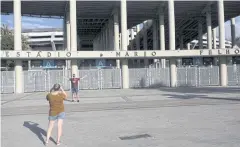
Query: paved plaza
(165, 117)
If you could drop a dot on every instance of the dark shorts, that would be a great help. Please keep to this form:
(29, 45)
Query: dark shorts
(59, 116)
(74, 90)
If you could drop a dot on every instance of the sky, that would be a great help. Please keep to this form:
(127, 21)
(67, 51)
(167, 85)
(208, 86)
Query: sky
(33, 23)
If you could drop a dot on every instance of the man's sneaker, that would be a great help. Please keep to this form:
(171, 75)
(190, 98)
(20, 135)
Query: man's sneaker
(77, 100)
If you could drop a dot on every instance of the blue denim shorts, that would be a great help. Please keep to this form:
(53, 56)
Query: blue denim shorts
(59, 116)
(74, 90)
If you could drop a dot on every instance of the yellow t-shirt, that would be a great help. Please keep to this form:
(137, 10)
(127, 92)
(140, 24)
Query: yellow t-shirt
(56, 103)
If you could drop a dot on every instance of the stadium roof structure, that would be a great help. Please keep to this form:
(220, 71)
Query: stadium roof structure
(93, 15)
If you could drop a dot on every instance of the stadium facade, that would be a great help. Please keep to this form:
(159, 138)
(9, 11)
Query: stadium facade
(174, 25)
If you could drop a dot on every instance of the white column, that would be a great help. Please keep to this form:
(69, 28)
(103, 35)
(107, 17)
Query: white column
(120, 41)
(222, 60)
(68, 37)
(73, 22)
(209, 28)
(18, 46)
(138, 38)
(68, 30)
(154, 23)
(145, 42)
(200, 35)
(116, 35)
(162, 34)
(188, 46)
(125, 72)
(138, 43)
(133, 61)
(233, 33)
(214, 38)
(173, 69)
(132, 38)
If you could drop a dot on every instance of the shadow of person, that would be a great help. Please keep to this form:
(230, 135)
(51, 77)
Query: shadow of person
(37, 130)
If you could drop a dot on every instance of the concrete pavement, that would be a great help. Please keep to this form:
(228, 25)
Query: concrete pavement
(170, 117)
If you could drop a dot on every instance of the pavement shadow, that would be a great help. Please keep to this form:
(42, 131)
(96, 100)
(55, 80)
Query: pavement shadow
(200, 90)
(193, 96)
(37, 130)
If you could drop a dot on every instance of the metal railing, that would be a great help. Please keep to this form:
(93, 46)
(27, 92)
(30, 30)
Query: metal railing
(111, 78)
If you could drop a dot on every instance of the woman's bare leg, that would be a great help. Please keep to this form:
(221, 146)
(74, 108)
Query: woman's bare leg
(50, 127)
(60, 123)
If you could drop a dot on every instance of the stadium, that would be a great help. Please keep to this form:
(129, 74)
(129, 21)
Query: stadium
(167, 37)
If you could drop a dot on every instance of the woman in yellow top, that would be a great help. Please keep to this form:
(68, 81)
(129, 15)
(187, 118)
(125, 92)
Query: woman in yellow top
(56, 97)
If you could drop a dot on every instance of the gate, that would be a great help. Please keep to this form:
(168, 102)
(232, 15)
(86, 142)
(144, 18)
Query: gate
(198, 76)
(7, 81)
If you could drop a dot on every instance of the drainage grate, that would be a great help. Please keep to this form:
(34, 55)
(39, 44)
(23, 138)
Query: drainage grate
(135, 137)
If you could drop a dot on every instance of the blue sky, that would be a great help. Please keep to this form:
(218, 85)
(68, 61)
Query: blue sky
(33, 22)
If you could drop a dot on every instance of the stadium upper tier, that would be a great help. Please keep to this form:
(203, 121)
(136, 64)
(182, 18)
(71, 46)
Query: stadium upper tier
(46, 39)
(92, 16)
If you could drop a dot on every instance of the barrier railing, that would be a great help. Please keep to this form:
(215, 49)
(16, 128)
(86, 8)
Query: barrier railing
(111, 78)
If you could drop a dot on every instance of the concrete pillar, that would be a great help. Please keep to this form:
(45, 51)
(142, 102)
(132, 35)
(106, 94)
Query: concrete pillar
(209, 28)
(73, 28)
(222, 60)
(111, 47)
(145, 42)
(181, 42)
(29, 64)
(188, 46)
(154, 37)
(138, 44)
(125, 72)
(101, 41)
(18, 46)
(116, 35)
(200, 35)
(120, 40)
(64, 32)
(138, 38)
(214, 38)
(162, 34)
(68, 37)
(173, 69)
(233, 32)
(133, 61)
(132, 38)
(68, 31)
(106, 37)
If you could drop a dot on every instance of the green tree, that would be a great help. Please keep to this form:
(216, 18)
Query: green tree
(7, 43)
(7, 39)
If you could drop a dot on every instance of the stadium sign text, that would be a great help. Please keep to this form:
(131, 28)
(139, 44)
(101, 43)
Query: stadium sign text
(117, 54)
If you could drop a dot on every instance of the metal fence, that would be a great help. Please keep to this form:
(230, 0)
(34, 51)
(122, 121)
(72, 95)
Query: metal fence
(111, 78)
(7, 81)
(198, 76)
